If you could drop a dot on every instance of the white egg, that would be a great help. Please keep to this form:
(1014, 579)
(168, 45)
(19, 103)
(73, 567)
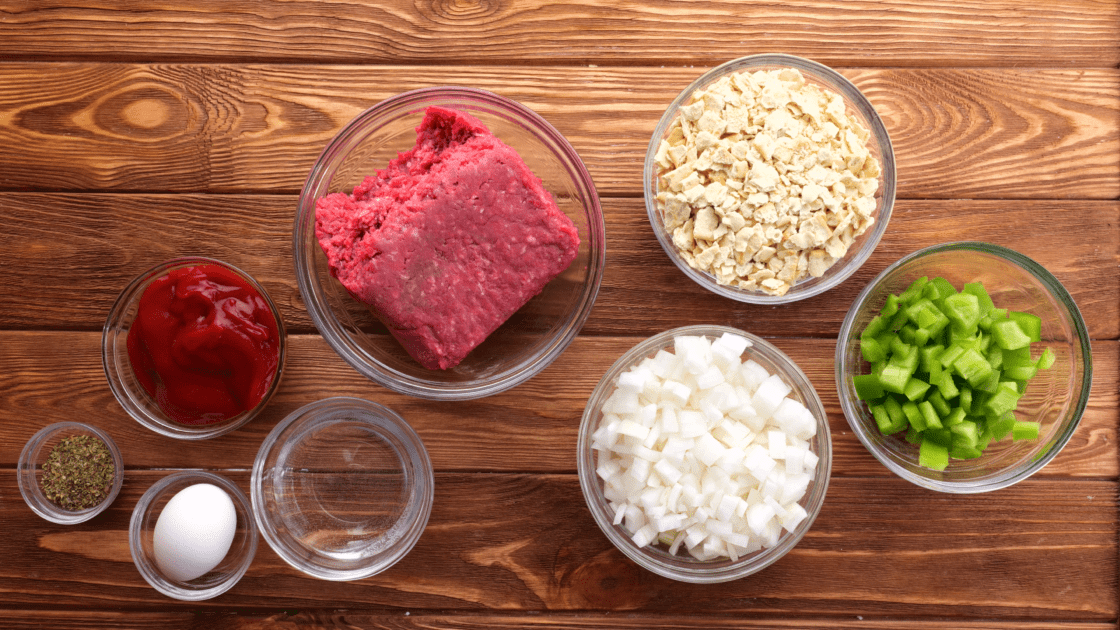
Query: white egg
(194, 532)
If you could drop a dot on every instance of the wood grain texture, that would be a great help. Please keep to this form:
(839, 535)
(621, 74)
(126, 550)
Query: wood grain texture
(1040, 550)
(110, 239)
(942, 32)
(532, 428)
(976, 133)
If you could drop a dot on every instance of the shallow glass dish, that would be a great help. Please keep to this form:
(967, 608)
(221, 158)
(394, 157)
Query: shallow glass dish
(1055, 397)
(879, 145)
(122, 379)
(225, 575)
(342, 488)
(682, 566)
(29, 471)
(530, 339)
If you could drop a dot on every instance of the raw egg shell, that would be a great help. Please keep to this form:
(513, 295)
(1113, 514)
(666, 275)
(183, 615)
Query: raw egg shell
(194, 532)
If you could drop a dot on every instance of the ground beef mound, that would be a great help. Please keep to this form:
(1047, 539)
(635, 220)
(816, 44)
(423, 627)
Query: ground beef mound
(448, 241)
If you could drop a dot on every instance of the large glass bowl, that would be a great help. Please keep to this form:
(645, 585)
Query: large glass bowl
(682, 566)
(879, 145)
(1056, 397)
(535, 335)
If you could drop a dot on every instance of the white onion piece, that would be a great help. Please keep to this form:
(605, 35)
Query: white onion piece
(703, 451)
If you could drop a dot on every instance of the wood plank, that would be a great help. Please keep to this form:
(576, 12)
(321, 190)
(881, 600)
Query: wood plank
(1005, 133)
(425, 620)
(110, 239)
(1042, 550)
(943, 32)
(530, 428)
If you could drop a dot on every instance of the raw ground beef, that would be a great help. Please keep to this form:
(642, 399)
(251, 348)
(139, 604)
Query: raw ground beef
(447, 242)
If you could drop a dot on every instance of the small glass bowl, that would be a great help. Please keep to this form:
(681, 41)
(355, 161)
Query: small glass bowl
(342, 488)
(122, 379)
(1056, 397)
(535, 335)
(879, 145)
(683, 567)
(141, 529)
(29, 471)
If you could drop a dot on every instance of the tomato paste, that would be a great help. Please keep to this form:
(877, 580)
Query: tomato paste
(205, 344)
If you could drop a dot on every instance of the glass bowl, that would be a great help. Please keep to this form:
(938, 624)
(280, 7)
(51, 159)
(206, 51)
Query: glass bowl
(141, 538)
(856, 106)
(29, 471)
(342, 488)
(135, 399)
(529, 340)
(683, 566)
(1056, 397)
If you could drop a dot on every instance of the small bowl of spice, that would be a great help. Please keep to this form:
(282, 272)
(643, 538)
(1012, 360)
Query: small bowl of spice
(193, 348)
(70, 472)
(192, 535)
(769, 179)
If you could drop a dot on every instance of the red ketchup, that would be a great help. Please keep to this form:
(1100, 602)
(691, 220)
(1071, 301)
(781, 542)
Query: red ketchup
(205, 344)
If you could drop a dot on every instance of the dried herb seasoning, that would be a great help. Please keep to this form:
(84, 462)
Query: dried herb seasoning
(78, 473)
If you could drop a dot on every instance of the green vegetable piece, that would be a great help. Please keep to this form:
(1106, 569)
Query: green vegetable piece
(995, 357)
(938, 289)
(891, 306)
(983, 300)
(928, 355)
(872, 350)
(899, 346)
(1002, 401)
(966, 432)
(947, 386)
(966, 399)
(867, 387)
(939, 405)
(908, 360)
(933, 421)
(1020, 373)
(972, 367)
(988, 386)
(941, 436)
(1046, 360)
(897, 417)
(1026, 430)
(913, 436)
(915, 388)
(899, 320)
(913, 416)
(954, 417)
(1030, 324)
(1017, 358)
(874, 327)
(921, 337)
(1009, 335)
(914, 291)
(1002, 426)
(963, 310)
(893, 378)
(883, 420)
(933, 455)
(951, 354)
(963, 451)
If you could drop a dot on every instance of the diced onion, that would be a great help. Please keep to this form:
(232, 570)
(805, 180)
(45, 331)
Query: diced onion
(701, 450)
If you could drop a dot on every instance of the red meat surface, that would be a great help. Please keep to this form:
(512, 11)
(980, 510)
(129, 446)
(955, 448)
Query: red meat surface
(448, 241)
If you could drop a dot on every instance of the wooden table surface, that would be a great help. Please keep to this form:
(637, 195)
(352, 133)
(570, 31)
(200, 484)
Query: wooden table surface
(133, 132)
